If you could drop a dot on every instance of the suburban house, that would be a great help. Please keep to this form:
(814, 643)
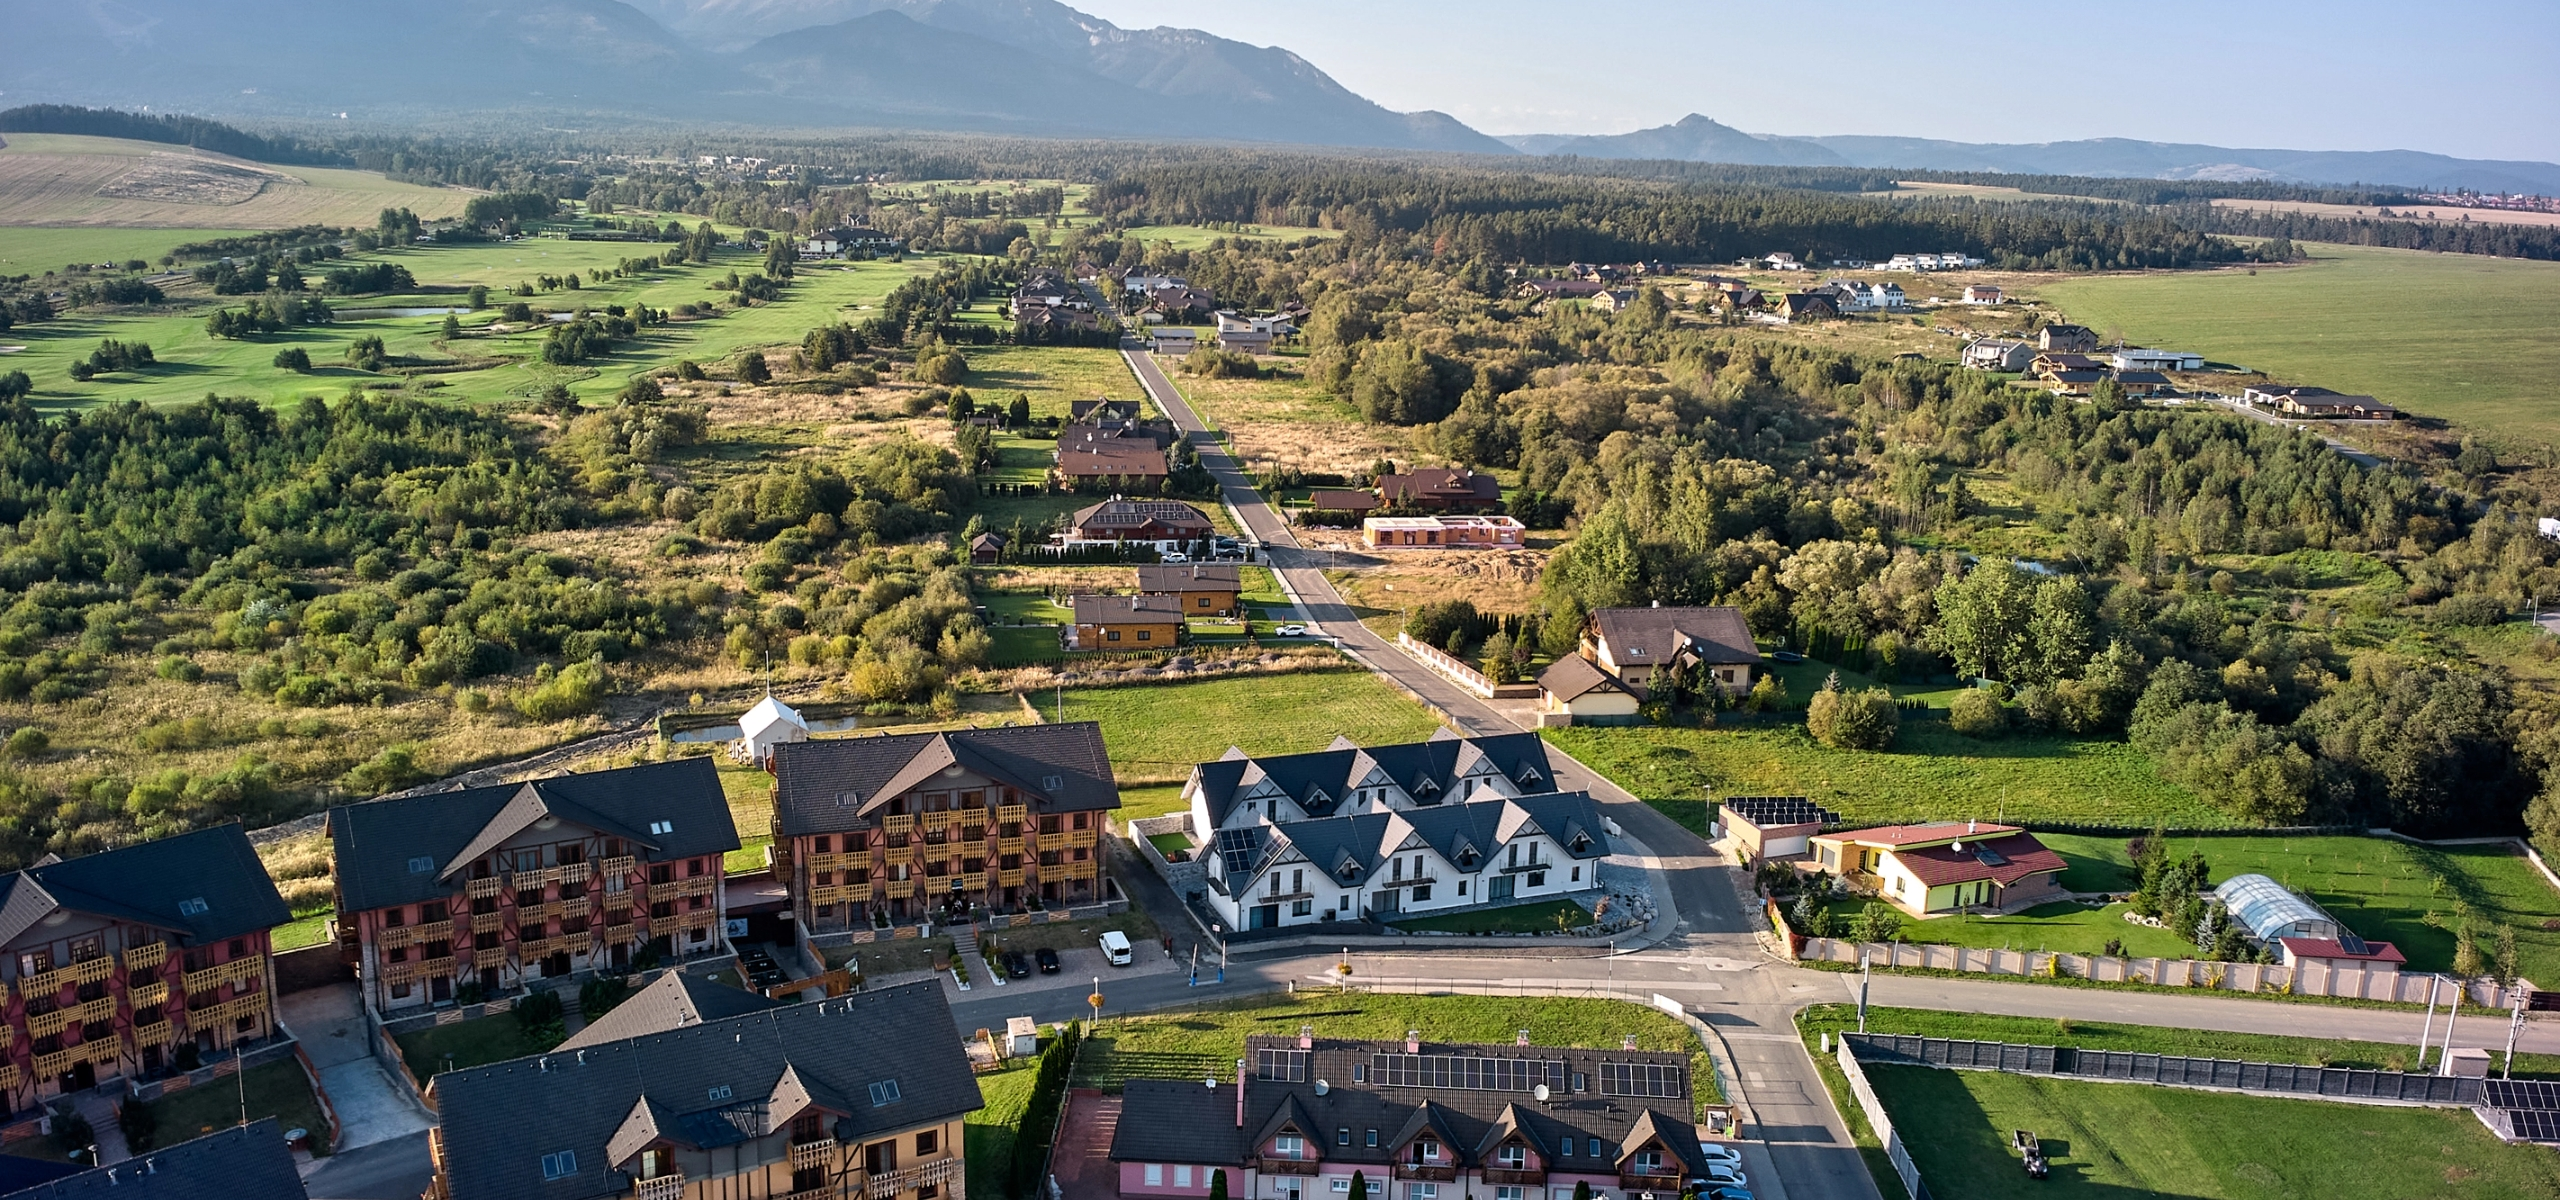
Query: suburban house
(1104, 411)
(1166, 524)
(1129, 465)
(1574, 691)
(1448, 533)
(1348, 834)
(1782, 261)
(513, 882)
(1879, 297)
(1178, 304)
(1421, 1120)
(986, 549)
(1613, 299)
(2144, 383)
(1197, 589)
(836, 243)
(1802, 306)
(1440, 488)
(1250, 335)
(1125, 622)
(1982, 293)
(1043, 289)
(1944, 866)
(129, 961)
(243, 1162)
(817, 1100)
(1991, 354)
(1562, 289)
(1346, 500)
(1771, 827)
(2051, 361)
(1059, 317)
(2320, 402)
(1632, 643)
(2157, 360)
(2070, 339)
(1138, 284)
(874, 830)
(767, 725)
(1176, 341)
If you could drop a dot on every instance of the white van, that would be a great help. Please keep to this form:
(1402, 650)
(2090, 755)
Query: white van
(1115, 947)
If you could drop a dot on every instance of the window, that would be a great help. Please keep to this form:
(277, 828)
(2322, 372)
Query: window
(1462, 887)
(884, 1092)
(399, 991)
(1341, 1185)
(721, 1092)
(1146, 635)
(1595, 1147)
(1508, 1193)
(1342, 1136)
(1111, 635)
(1303, 908)
(193, 906)
(561, 1165)
(1537, 879)
(1512, 1158)
(1426, 1150)
(1155, 1174)
(1647, 1162)
(1289, 1145)
(927, 1141)
(421, 865)
(662, 827)
(1577, 874)
(1373, 1137)
(1182, 1176)
(1422, 1191)
(1421, 892)
(823, 844)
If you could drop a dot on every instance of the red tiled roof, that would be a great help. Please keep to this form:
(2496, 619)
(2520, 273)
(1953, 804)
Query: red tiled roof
(2325, 948)
(2019, 855)
(1934, 831)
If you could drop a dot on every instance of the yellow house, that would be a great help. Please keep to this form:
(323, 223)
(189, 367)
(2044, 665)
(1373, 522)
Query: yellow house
(1944, 866)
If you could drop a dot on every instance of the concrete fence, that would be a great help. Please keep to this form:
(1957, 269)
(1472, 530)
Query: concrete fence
(2309, 980)
(1460, 672)
(1882, 1123)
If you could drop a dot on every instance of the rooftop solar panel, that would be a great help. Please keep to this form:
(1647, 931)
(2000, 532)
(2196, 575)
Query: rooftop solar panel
(2352, 944)
(2520, 1093)
(1237, 848)
(1989, 857)
(1780, 810)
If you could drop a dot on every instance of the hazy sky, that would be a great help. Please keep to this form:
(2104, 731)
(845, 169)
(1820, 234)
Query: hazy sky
(2473, 78)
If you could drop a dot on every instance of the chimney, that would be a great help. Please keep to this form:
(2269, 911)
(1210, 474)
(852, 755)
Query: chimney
(1968, 825)
(1413, 1041)
(1521, 1038)
(1306, 1037)
(1239, 1093)
(1627, 1041)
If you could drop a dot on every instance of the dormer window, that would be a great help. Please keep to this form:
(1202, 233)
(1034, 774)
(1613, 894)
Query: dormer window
(1426, 1150)
(1512, 1157)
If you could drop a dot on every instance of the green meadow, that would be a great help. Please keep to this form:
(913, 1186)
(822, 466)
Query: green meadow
(28, 250)
(2459, 336)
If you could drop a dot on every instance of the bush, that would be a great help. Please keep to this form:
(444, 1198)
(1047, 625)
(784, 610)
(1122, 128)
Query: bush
(2470, 610)
(1974, 713)
(139, 1123)
(599, 995)
(26, 741)
(389, 770)
(1877, 922)
(541, 1016)
(577, 689)
(1209, 363)
(752, 368)
(1862, 720)
(295, 359)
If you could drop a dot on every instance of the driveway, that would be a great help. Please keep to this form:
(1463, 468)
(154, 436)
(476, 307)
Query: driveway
(372, 1106)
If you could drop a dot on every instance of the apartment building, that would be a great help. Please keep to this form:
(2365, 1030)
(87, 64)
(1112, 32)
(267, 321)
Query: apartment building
(872, 831)
(497, 886)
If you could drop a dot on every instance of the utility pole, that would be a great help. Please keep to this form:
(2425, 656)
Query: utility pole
(2427, 1030)
(1862, 995)
(2444, 1059)
(2515, 1025)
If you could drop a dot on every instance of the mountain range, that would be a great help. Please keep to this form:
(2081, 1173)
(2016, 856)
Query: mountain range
(1700, 139)
(1033, 67)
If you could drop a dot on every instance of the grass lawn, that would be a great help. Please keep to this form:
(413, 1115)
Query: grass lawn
(467, 1044)
(1518, 918)
(1014, 646)
(303, 931)
(1052, 376)
(277, 1089)
(1168, 844)
(1149, 800)
(2144, 1039)
(2069, 927)
(990, 1132)
(28, 250)
(1207, 1041)
(1195, 237)
(2381, 888)
(2459, 336)
(2113, 1139)
(1024, 608)
(1931, 773)
(1157, 732)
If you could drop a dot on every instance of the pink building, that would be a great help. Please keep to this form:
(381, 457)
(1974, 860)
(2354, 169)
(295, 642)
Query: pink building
(1444, 532)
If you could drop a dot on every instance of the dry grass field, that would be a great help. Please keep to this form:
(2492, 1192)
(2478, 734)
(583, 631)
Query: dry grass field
(2423, 214)
(60, 179)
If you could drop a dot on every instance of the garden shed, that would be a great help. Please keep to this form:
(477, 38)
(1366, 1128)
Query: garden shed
(2269, 910)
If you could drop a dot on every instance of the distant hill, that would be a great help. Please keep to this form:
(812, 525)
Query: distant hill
(1698, 139)
(992, 65)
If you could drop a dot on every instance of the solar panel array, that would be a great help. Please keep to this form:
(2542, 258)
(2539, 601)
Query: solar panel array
(1237, 848)
(1989, 857)
(1284, 1066)
(1641, 1079)
(1466, 1071)
(2352, 944)
(2534, 1124)
(2520, 1093)
(1779, 810)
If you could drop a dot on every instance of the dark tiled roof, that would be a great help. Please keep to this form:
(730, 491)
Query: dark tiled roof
(1194, 577)
(1653, 636)
(1442, 484)
(378, 842)
(244, 1162)
(1352, 849)
(203, 886)
(1428, 771)
(829, 785)
(1573, 677)
(1125, 610)
(672, 1001)
(498, 1121)
(1136, 461)
(1137, 514)
(1190, 1121)
(1085, 410)
(1342, 500)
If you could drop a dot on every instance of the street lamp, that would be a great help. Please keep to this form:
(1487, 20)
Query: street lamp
(1096, 999)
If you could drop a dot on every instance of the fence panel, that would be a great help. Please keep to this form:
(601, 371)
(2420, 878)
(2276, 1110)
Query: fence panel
(1882, 1123)
(2338, 1083)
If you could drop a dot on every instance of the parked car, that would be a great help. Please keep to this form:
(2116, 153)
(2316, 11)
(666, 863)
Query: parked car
(1721, 1153)
(1017, 965)
(1048, 960)
(1176, 557)
(1785, 656)
(1727, 1193)
(1721, 1175)
(1290, 631)
(1115, 948)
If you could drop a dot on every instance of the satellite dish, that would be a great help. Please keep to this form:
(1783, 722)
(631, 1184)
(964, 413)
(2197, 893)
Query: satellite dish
(1322, 1087)
(1540, 1092)
(1212, 1081)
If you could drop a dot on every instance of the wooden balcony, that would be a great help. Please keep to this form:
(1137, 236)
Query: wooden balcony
(1012, 812)
(486, 922)
(833, 861)
(101, 1009)
(891, 1183)
(698, 919)
(1668, 1182)
(805, 1155)
(576, 910)
(621, 901)
(1518, 1176)
(542, 877)
(896, 824)
(87, 970)
(842, 893)
(49, 1065)
(1012, 878)
(1059, 840)
(534, 916)
(146, 956)
(664, 1187)
(482, 889)
(899, 889)
(575, 872)
(46, 1024)
(489, 959)
(8, 1077)
(1287, 1166)
(238, 970)
(971, 881)
(397, 937)
(614, 866)
(699, 885)
(824, 1191)
(1009, 845)
(621, 935)
(158, 1033)
(1427, 1173)
(149, 994)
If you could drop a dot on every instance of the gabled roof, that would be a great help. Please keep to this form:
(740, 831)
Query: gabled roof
(2003, 860)
(671, 1001)
(1136, 461)
(1135, 514)
(1440, 483)
(381, 845)
(830, 785)
(1193, 577)
(1928, 833)
(244, 1162)
(716, 1083)
(1716, 634)
(2363, 951)
(769, 712)
(1142, 610)
(1465, 834)
(1573, 677)
(1428, 771)
(203, 886)
(1432, 1118)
